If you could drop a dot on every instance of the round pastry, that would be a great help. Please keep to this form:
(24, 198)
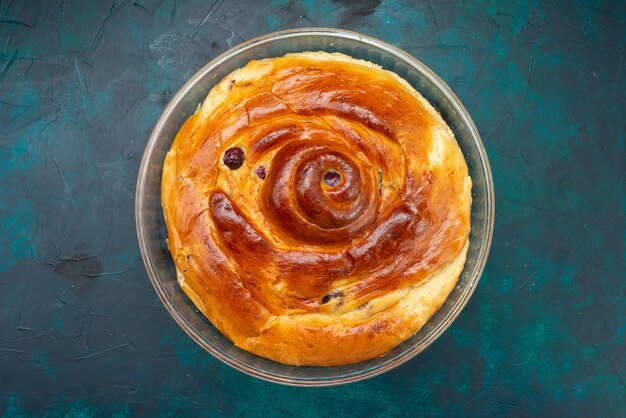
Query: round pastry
(318, 209)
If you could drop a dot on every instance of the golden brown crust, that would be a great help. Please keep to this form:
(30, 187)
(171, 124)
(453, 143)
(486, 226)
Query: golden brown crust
(300, 269)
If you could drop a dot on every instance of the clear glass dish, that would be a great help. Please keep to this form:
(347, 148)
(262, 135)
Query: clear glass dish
(152, 233)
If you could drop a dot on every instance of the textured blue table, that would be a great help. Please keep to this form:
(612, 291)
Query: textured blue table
(82, 332)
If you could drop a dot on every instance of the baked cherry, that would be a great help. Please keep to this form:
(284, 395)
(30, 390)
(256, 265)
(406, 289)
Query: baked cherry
(331, 296)
(332, 178)
(261, 172)
(234, 158)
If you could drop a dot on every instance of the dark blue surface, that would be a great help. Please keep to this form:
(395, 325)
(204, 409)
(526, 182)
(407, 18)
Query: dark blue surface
(82, 332)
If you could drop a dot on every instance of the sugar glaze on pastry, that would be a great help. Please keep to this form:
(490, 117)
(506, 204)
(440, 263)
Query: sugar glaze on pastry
(318, 209)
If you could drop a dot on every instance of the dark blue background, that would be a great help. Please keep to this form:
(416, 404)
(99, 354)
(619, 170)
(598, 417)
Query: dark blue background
(81, 329)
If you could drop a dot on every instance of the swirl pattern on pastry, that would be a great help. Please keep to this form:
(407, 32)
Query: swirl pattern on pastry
(317, 209)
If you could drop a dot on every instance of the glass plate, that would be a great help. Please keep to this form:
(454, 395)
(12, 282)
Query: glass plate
(152, 233)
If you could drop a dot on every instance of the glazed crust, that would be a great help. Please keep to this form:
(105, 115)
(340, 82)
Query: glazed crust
(295, 267)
